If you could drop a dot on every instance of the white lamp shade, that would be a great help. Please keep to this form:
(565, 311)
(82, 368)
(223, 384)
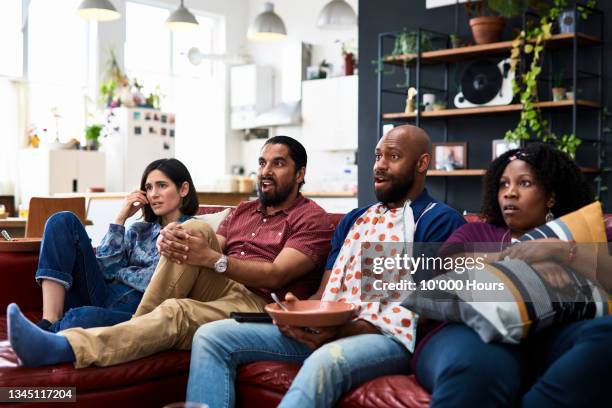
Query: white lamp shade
(181, 18)
(267, 26)
(98, 10)
(337, 15)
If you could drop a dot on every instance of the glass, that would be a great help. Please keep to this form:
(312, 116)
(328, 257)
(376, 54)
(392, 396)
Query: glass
(23, 211)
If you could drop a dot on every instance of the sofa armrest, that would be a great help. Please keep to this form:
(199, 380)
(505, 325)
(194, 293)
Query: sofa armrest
(17, 282)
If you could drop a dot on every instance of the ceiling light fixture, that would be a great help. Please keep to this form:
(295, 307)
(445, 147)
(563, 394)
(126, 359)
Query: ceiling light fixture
(181, 18)
(98, 10)
(267, 26)
(337, 15)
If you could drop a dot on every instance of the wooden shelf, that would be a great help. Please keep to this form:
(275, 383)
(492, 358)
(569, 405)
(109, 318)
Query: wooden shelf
(471, 51)
(455, 173)
(486, 110)
(481, 172)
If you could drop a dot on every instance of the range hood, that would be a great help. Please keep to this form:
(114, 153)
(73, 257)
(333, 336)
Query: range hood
(283, 114)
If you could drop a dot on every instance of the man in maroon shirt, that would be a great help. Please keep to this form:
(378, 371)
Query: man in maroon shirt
(262, 246)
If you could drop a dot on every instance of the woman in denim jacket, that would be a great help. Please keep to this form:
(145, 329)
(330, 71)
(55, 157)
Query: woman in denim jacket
(83, 289)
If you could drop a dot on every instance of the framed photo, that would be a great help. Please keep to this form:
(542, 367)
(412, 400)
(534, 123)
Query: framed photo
(163, 131)
(501, 146)
(450, 156)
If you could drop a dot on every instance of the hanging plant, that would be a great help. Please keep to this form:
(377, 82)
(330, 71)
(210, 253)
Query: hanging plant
(530, 41)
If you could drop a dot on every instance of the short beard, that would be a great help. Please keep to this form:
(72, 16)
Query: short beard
(399, 188)
(274, 198)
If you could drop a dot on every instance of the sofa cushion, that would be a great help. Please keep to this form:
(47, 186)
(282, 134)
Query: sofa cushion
(166, 364)
(214, 219)
(272, 379)
(18, 268)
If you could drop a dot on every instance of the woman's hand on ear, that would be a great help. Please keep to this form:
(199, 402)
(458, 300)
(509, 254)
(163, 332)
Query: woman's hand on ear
(133, 202)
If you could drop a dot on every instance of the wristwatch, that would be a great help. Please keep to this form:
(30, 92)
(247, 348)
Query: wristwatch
(221, 264)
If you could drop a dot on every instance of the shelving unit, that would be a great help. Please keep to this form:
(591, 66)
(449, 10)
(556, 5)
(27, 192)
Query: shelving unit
(481, 172)
(474, 51)
(416, 65)
(487, 110)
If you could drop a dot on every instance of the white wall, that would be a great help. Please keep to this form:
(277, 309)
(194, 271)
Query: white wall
(300, 18)
(210, 153)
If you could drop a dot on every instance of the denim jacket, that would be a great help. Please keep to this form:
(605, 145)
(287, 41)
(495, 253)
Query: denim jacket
(130, 256)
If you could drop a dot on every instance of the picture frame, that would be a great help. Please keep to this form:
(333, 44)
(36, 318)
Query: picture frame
(501, 146)
(449, 156)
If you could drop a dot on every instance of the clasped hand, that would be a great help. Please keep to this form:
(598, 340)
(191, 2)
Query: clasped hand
(180, 246)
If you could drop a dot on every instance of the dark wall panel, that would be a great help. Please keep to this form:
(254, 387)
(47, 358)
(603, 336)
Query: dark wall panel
(463, 193)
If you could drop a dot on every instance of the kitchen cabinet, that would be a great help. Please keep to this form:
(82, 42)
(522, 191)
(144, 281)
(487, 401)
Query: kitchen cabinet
(250, 94)
(329, 113)
(45, 172)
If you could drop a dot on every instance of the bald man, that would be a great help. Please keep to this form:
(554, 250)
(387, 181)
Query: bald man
(381, 338)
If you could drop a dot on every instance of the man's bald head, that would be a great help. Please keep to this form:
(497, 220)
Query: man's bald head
(410, 137)
(402, 159)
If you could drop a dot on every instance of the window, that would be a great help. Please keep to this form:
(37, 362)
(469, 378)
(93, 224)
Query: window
(11, 38)
(156, 56)
(57, 68)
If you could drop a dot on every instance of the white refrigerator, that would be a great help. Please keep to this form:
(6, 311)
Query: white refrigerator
(133, 138)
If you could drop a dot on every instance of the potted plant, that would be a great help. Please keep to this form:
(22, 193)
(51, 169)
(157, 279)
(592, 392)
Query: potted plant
(348, 56)
(486, 28)
(455, 40)
(92, 134)
(558, 90)
(405, 43)
(487, 17)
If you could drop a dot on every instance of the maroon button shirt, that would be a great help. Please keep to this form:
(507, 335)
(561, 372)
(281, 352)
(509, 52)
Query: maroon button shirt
(253, 235)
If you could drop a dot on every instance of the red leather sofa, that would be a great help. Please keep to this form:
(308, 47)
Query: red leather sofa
(162, 378)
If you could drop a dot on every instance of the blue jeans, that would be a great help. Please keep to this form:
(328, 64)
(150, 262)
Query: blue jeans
(66, 257)
(326, 374)
(567, 366)
(460, 370)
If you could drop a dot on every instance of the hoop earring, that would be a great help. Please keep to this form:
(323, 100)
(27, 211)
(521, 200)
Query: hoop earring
(549, 216)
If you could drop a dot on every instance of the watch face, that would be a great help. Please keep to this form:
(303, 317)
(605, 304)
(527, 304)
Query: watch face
(221, 264)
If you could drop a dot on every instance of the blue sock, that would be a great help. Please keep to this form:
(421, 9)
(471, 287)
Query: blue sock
(34, 346)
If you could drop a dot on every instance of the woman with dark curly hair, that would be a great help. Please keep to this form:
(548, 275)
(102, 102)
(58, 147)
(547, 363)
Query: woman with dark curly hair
(523, 189)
